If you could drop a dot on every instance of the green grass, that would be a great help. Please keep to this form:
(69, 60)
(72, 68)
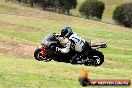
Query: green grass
(110, 5)
(4, 8)
(30, 28)
(22, 73)
(33, 75)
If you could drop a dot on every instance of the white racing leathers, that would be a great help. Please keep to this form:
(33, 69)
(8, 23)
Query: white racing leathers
(75, 42)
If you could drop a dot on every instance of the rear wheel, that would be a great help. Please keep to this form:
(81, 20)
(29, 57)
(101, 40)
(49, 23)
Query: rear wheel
(97, 57)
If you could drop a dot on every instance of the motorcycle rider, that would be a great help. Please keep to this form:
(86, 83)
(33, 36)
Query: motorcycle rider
(75, 43)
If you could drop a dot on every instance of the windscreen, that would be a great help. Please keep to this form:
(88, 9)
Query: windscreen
(48, 40)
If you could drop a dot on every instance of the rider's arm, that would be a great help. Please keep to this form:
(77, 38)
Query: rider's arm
(67, 48)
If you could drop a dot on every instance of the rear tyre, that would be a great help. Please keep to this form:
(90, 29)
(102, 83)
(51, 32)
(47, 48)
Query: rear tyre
(97, 57)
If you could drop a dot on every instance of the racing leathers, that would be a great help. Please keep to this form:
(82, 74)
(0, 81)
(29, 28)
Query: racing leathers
(77, 44)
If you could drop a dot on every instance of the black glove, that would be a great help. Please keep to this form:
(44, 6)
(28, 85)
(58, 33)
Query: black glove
(53, 48)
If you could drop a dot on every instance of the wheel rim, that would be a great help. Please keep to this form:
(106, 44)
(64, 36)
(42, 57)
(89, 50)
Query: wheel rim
(40, 56)
(97, 60)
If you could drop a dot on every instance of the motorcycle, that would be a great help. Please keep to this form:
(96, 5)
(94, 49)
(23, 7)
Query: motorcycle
(46, 51)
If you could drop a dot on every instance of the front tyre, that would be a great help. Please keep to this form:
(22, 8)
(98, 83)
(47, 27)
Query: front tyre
(38, 54)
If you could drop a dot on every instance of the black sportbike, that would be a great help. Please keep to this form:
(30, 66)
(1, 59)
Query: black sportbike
(46, 52)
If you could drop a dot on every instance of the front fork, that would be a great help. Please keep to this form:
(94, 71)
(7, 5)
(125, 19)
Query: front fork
(44, 52)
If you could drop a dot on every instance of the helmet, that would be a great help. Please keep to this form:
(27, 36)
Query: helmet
(66, 31)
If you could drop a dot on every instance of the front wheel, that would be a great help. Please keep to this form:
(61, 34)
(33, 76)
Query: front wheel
(38, 54)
